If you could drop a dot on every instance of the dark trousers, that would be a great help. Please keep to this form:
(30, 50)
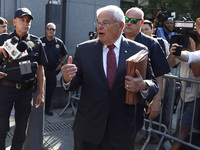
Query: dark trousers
(50, 86)
(21, 99)
(104, 145)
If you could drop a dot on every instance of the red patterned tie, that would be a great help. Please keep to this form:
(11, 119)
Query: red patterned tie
(111, 65)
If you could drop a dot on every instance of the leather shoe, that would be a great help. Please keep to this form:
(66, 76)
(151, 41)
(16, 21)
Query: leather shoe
(49, 112)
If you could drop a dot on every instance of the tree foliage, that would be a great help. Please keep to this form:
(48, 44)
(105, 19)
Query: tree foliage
(181, 7)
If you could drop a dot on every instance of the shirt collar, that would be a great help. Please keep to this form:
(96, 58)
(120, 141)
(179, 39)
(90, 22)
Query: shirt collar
(117, 43)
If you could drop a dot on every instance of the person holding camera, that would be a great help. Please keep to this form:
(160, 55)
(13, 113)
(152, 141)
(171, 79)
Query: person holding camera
(17, 87)
(194, 56)
(189, 93)
(166, 31)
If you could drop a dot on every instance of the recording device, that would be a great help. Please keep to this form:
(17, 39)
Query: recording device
(162, 16)
(15, 50)
(25, 67)
(10, 46)
(92, 35)
(185, 29)
(178, 50)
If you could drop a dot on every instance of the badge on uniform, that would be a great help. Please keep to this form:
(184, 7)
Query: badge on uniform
(57, 46)
(30, 44)
(25, 67)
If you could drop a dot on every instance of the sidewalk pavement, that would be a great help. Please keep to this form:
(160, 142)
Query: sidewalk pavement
(58, 134)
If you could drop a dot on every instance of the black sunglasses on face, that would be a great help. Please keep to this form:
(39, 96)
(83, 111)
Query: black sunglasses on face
(51, 29)
(133, 20)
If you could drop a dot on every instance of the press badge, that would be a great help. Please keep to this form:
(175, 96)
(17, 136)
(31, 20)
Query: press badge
(25, 67)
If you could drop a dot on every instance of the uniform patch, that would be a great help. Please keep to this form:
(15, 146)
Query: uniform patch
(25, 10)
(30, 44)
(57, 46)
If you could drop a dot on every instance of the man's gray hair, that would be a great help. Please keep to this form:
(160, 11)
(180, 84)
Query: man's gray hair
(138, 10)
(117, 12)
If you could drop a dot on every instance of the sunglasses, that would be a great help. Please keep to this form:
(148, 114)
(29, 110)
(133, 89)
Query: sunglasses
(51, 29)
(133, 20)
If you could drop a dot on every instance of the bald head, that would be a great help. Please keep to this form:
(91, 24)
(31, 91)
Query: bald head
(50, 31)
(137, 11)
(134, 20)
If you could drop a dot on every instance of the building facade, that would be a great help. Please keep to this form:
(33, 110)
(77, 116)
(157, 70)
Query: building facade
(74, 18)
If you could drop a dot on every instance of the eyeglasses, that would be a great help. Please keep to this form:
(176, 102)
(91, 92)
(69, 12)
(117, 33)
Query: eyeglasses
(133, 20)
(104, 24)
(51, 29)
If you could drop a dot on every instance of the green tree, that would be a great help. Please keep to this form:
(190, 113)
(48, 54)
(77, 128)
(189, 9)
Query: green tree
(181, 7)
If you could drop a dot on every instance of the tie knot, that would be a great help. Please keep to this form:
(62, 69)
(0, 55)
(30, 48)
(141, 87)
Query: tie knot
(111, 47)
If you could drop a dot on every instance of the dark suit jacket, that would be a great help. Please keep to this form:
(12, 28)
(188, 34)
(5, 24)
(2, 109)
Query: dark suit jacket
(101, 107)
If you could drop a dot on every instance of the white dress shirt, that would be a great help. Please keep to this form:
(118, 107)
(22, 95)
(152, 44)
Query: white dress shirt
(105, 52)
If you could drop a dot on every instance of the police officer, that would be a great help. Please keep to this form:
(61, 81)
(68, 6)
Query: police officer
(56, 53)
(17, 87)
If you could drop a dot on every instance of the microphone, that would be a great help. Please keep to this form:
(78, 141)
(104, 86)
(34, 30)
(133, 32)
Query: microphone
(17, 50)
(9, 44)
(10, 47)
(24, 49)
(34, 65)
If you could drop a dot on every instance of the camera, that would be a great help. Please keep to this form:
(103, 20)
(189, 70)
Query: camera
(185, 29)
(162, 16)
(92, 35)
(178, 50)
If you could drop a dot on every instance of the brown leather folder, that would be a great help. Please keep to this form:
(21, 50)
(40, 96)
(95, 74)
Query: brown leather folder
(137, 61)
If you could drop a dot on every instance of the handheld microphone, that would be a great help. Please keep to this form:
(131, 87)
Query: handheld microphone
(24, 49)
(9, 44)
(21, 50)
(10, 47)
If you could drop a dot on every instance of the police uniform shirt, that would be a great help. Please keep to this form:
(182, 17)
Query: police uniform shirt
(54, 49)
(158, 60)
(37, 55)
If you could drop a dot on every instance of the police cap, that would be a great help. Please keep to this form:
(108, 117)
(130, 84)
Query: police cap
(20, 12)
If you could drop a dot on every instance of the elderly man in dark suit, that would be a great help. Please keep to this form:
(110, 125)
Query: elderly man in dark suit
(103, 120)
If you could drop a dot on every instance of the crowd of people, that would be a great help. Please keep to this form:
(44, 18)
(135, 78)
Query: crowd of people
(103, 120)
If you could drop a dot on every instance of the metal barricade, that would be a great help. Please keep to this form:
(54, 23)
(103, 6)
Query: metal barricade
(172, 126)
(73, 99)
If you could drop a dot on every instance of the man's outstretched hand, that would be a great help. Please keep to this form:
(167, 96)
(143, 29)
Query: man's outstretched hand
(69, 70)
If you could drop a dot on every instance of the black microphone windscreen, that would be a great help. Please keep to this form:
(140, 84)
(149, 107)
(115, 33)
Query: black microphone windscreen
(29, 50)
(22, 46)
(14, 40)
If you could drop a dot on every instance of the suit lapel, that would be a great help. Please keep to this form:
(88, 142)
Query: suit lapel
(124, 54)
(99, 62)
